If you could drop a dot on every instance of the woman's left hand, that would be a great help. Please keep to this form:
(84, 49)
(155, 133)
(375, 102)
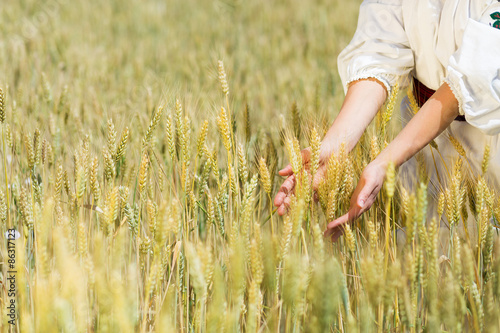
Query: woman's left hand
(434, 116)
(364, 196)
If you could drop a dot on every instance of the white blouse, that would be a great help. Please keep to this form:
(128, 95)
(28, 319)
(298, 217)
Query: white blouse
(436, 41)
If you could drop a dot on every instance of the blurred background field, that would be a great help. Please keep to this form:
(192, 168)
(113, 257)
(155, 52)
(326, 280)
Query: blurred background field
(140, 149)
(114, 55)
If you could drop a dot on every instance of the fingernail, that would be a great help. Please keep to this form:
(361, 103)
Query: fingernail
(361, 202)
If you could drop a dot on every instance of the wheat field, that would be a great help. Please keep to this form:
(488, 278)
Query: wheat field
(140, 144)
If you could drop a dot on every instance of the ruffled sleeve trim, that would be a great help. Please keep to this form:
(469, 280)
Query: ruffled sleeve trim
(365, 76)
(456, 92)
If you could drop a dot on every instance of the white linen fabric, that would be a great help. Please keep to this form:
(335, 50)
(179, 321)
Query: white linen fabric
(439, 165)
(436, 41)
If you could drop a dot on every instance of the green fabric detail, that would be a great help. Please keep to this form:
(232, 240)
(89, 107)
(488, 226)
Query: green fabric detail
(496, 16)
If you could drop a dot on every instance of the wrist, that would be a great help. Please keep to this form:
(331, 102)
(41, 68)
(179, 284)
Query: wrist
(326, 150)
(382, 162)
(332, 144)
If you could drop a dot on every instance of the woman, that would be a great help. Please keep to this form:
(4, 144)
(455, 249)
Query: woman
(451, 51)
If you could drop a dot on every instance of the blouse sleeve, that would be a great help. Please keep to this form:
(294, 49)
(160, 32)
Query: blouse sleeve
(474, 75)
(379, 48)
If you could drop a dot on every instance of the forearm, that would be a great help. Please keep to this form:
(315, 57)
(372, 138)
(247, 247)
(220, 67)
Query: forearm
(432, 119)
(363, 100)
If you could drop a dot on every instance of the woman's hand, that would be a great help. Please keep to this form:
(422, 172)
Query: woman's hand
(362, 199)
(283, 197)
(434, 116)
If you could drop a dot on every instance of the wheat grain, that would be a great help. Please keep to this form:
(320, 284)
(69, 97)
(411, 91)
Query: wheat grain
(296, 121)
(2, 106)
(295, 156)
(111, 138)
(265, 178)
(109, 165)
(486, 159)
(242, 165)
(223, 78)
(94, 182)
(29, 150)
(9, 137)
(201, 143)
(122, 146)
(223, 125)
(170, 136)
(458, 146)
(152, 126)
(315, 151)
(143, 176)
(246, 122)
(3, 208)
(349, 237)
(413, 101)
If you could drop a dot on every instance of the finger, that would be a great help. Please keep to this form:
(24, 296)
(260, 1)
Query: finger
(331, 227)
(285, 207)
(368, 202)
(278, 200)
(288, 185)
(285, 189)
(338, 232)
(364, 194)
(286, 171)
(287, 202)
(340, 221)
(282, 210)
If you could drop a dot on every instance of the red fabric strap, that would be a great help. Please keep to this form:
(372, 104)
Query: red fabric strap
(423, 93)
